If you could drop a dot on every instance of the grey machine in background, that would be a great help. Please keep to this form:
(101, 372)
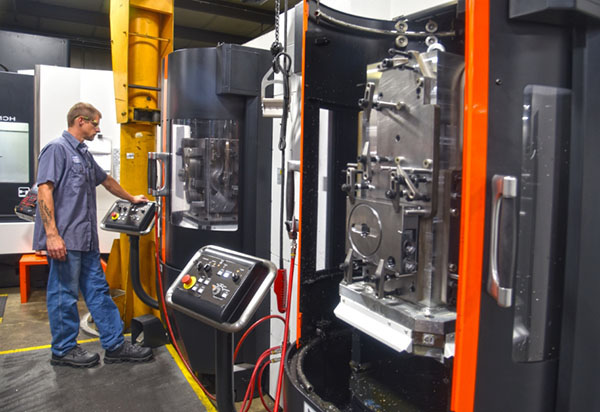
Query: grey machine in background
(211, 179)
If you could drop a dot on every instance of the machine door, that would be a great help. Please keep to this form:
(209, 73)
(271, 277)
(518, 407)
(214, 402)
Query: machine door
(205, 174)
(523, 243)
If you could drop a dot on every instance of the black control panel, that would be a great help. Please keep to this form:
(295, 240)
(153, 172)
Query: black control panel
(27, 206)
(126, 217)
(221, 287)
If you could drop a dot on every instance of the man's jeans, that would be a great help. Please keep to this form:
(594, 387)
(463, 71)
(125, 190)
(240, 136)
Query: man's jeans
(81, 270)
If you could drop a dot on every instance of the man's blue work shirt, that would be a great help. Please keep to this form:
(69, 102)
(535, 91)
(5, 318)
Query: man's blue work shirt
(75, 174)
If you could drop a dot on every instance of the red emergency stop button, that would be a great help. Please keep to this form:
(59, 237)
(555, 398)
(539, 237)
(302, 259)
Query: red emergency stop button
(114, 215)
(188, 281)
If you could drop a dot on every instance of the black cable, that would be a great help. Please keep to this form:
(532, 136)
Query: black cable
(285, 71)
(281, 206)
(134, 272)
(279, 52)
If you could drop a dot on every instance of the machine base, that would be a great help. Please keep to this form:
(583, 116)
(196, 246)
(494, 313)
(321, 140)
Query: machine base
(336, 373)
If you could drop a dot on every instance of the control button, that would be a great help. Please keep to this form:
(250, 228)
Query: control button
(114, 215)
(207, 268)
(235, 277)
(216, 290)
(188, 281)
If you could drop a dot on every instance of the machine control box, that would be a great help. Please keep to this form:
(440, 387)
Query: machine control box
(26, 208)
(126, 217)
(221, 287)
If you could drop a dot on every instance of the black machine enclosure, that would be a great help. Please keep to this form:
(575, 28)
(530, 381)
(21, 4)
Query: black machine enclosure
(338, 367)
(219, 85)
(207, 84)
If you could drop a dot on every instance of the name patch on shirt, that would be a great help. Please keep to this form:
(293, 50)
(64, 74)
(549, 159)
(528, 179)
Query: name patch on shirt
(75, 159)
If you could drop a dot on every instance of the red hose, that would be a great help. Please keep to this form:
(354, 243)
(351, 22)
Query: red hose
(250, 390)
(260, 392)
(255, 324)
(285, 331)
(168, 322)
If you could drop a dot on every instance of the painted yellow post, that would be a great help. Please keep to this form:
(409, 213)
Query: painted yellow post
(141, 35)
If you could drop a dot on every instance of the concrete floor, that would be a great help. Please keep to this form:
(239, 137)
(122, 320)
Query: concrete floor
(26, 326)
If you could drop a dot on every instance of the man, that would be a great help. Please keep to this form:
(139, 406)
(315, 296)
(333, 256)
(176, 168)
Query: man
(65, 226)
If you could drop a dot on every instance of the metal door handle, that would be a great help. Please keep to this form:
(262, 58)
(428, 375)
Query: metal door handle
(500, 285)
(154, 158)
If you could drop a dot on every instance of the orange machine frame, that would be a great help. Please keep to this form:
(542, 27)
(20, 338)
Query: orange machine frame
(473, 203)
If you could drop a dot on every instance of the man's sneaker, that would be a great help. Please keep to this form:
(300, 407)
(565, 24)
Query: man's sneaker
(77, 357)
(128, 353)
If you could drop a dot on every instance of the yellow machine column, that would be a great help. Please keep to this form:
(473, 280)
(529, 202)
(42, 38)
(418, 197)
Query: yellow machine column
(141, 35)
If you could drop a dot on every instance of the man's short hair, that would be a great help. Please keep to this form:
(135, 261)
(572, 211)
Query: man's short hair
(82, 109)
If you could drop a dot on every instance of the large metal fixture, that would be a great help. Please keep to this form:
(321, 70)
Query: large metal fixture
(401, 267)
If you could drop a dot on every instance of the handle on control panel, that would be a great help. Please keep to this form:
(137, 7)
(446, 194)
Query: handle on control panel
(154, 159)
(500, 282)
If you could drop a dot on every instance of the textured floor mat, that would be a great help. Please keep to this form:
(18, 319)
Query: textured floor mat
(30, 383)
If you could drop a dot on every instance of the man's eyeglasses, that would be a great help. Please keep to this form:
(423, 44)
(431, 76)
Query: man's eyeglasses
(93, 122)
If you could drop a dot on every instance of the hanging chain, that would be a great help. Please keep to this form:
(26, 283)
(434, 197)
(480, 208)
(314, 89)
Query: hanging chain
(276, 47)
(277, 8)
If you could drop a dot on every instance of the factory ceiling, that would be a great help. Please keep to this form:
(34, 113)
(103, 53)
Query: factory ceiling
(198, 23)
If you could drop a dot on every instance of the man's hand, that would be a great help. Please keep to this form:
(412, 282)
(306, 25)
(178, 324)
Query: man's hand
(139, 199)
(55, 245)
(116, 189)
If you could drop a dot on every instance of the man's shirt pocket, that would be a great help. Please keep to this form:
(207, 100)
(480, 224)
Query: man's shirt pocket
(77, 176)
